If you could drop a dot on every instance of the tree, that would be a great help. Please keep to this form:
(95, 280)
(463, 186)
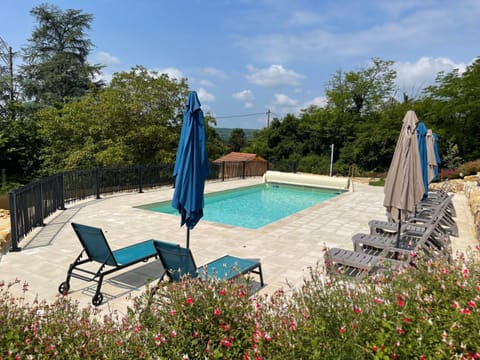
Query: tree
(237, 139)
(55, 68)
(454, 108)
(215, 145)
(363, 91)
(135, 120)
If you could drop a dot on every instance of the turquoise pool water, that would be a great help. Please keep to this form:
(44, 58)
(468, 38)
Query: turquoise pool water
(254, 207)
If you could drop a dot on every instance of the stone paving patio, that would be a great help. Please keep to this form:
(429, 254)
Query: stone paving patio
(287, 248)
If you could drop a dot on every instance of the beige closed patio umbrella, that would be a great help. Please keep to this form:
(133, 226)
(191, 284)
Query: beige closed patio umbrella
(404, 186)
(431, 157)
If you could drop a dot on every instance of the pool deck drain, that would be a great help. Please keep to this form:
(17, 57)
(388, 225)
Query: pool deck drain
(287, 248)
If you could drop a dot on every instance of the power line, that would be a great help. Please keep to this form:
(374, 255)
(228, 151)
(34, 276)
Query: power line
(239, 115)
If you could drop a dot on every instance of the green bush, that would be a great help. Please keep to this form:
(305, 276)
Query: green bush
(428, 312)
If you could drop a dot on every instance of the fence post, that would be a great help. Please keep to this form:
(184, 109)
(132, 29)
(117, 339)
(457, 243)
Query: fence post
(140, 185)
(223, 170)
(61, 191)
(244, 168)
(97, 182)
(13, 221)
(42, 210)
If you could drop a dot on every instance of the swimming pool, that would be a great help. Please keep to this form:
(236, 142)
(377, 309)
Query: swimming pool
(255, 206)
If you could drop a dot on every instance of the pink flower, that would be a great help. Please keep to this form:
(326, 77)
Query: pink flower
(465, 311)
(377, 300)
(400, 303)
(455, 305)
(216, 312)
(400, 331)
(357, 310)
(471, 303)
(222, 292)
(173, 312)
(407, 320)
(343, 329)
(173, 334)
(423, 357)
(374, 348)
(189, 301)
(293, 326)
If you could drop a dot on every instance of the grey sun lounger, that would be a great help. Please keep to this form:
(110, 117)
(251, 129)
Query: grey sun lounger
(96, 249)
(178, 262)
(374, 252)
(415, 224)
(356, 263)
(433, 243)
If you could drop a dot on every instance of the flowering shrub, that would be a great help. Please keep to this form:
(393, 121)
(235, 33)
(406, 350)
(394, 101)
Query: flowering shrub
(470, 168)
(428, 312)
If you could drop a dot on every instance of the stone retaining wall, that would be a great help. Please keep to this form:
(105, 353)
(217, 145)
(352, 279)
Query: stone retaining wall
(4, 229)
(472, 193)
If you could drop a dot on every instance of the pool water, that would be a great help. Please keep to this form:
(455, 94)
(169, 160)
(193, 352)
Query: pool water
(256, 206)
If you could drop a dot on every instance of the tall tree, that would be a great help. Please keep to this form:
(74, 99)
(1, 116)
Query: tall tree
(135, 120)
(237, 140)
(55, 67)
(454, 109)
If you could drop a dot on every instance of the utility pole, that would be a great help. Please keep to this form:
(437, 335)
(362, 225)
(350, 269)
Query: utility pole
(268, 118)
(7, 54)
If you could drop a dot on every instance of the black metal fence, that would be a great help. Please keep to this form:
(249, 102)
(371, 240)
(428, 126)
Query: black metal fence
(32, 203)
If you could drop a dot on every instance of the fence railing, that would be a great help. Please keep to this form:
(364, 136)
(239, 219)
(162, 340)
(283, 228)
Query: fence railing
(32, 203)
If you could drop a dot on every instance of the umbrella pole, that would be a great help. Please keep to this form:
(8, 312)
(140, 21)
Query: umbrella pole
(399, 228)
(188, 238)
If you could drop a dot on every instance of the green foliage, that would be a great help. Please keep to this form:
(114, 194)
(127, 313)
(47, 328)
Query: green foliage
(428, 312)
(55, 65)
(377, 182)
(135, 120)
(237, 140)
(215, 146)
(20, 145)
(314, 164)
(451, 159)
(454, 108)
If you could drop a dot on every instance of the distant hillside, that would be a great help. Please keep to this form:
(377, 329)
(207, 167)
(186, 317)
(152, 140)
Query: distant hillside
(225, 133)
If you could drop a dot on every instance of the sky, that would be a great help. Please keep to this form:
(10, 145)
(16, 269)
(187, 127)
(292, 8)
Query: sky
(247, 57)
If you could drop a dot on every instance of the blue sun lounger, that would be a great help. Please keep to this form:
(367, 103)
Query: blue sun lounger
(178, 262)
(96, 249)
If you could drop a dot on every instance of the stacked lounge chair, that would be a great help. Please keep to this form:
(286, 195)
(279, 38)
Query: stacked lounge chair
(428, 232)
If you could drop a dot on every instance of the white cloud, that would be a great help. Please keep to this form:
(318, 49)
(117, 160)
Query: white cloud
(207, 83)
(302, 18)
(413, 77)
(319, 101)
(205, 96)
(244, 95)
(273, 76)
(105, 58)
(172, 72)
(214, 72)
(284, 100)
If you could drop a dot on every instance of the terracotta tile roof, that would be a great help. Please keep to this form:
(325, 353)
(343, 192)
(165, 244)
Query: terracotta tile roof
(238, 156)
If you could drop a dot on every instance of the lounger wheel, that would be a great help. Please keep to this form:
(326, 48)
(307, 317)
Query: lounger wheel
(63, 288)
(97, 299)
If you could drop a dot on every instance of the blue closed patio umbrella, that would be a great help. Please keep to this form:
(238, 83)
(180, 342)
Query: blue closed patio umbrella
(422, 150)
(191, 166)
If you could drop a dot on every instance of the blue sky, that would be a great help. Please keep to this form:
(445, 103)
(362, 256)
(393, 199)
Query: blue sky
(244, 57)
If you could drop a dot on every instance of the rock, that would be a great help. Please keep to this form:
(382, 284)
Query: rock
(4, 228)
